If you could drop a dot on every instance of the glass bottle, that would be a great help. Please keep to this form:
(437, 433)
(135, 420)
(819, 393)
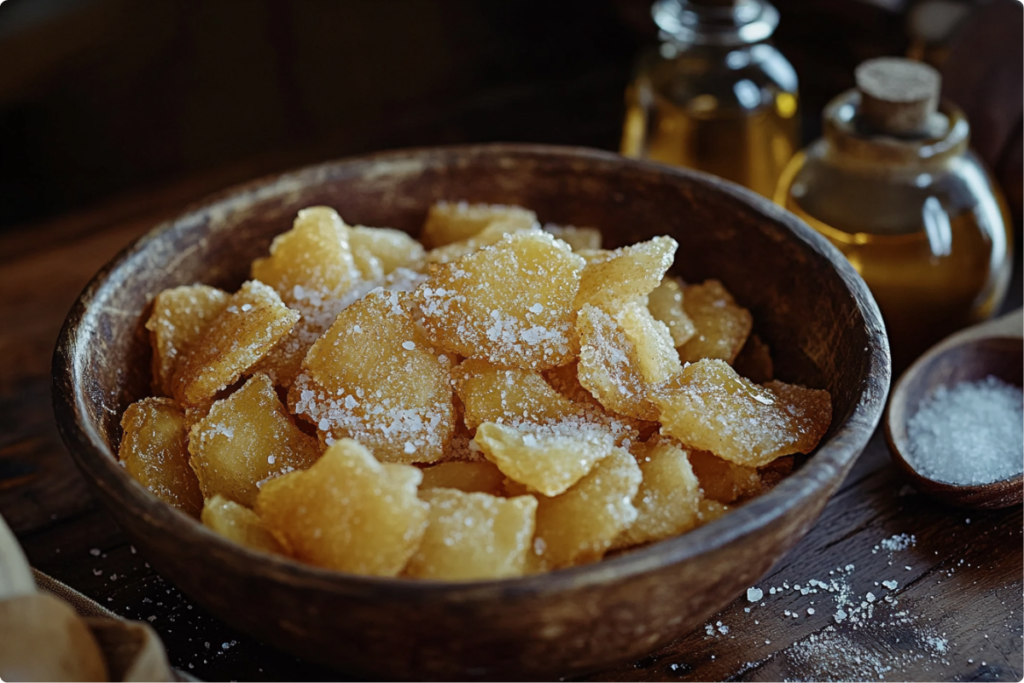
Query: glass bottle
(894, 186)
(715, 95)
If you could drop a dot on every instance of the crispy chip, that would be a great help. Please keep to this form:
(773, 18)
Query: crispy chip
(580, 525)
(373, 378)
(245, 440)
(654, 354)
(709, 407)
(467, 476)
(666, 304)
(668, 500)
(722, 325)
(492, 394)
(347, 512)
(625, 274)
(239, 524)
(473, 536)
(580, 239)
(722, 480)
(510, 303)
(154, 451)
(393, 249)
(312, 259)
(546, 458)
(607, 368)
(252, 322)
(449, 222)
(180, 317)
(489, 236)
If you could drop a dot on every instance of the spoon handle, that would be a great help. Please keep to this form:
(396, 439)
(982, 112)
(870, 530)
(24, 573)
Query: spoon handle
(1010, 325)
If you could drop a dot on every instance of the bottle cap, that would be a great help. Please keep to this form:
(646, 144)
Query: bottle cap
(898, 96)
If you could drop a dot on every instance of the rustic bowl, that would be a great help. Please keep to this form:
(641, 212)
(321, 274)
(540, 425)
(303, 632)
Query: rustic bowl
(808, 303)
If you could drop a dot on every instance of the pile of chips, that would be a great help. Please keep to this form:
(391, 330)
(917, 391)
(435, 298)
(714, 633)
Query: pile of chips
(501, 399)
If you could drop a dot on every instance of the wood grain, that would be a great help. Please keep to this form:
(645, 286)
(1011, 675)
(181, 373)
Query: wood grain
(965, 580)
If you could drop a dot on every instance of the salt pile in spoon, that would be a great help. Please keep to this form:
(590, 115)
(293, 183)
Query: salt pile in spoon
(969, 434)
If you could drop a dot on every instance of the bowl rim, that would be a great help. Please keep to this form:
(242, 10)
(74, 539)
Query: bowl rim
(100, 464)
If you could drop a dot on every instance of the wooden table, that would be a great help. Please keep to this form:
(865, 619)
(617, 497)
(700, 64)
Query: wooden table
(955, 612)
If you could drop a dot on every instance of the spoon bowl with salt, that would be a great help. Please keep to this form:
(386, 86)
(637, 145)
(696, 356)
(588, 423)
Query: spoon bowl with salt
(954, 422)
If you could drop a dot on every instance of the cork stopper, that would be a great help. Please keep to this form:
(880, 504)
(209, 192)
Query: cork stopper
(898, 96)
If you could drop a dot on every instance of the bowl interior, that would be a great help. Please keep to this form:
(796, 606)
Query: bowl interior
(808, 304)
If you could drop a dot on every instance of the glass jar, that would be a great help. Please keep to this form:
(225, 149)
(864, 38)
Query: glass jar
(919, 217)
(715, 95)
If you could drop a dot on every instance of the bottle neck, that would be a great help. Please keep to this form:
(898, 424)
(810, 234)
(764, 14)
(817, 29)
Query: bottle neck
(851, 142)
(715, 22)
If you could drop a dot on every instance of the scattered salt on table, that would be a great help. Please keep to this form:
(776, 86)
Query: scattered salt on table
(971, 433)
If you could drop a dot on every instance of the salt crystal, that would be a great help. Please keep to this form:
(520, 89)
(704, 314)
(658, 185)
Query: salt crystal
(891, 585)
(754, 594)
(810, 610)
(970, 433)
(95, 552)
(408, 345)
(537, 308)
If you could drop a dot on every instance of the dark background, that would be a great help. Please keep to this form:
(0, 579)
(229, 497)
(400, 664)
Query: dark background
(103, 98)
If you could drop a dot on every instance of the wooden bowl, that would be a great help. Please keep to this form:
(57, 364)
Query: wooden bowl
(972, 360)
(808, 304)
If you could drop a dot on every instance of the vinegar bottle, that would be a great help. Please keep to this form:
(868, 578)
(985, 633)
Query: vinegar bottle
(893, 184)
(716, 95)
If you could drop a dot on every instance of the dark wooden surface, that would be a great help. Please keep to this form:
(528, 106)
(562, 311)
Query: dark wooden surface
(958, 611)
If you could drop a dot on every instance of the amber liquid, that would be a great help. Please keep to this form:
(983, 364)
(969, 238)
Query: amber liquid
(749, 147)
(926, 286)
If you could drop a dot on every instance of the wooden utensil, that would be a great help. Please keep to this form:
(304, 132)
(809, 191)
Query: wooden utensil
(992, 348)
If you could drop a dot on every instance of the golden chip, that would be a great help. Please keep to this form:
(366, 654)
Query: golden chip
(180, 317)
(580, 239)
(722, 480)
(239, 524)
(722, 324)
(373, 378)
(347, 512)
(449, 222)
(492, 394)
(625, 274)
(668, 500)
(393, 249)
(654, 354)
(709, 407)
(245, 440)
(547, 458)
(666, 304)
(469, 477)
(154, 451)
(607, 368)
(313, 259)
(510, 303)
(473, 536)
(251, 323)
(581, 524)
(489, 236)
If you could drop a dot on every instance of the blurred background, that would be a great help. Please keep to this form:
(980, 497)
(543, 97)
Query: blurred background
(101, 99)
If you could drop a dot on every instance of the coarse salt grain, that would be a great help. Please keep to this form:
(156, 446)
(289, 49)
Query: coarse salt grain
(754, 594)
(971, 433)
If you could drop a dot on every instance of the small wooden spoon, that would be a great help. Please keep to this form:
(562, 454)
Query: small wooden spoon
(992, 348)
